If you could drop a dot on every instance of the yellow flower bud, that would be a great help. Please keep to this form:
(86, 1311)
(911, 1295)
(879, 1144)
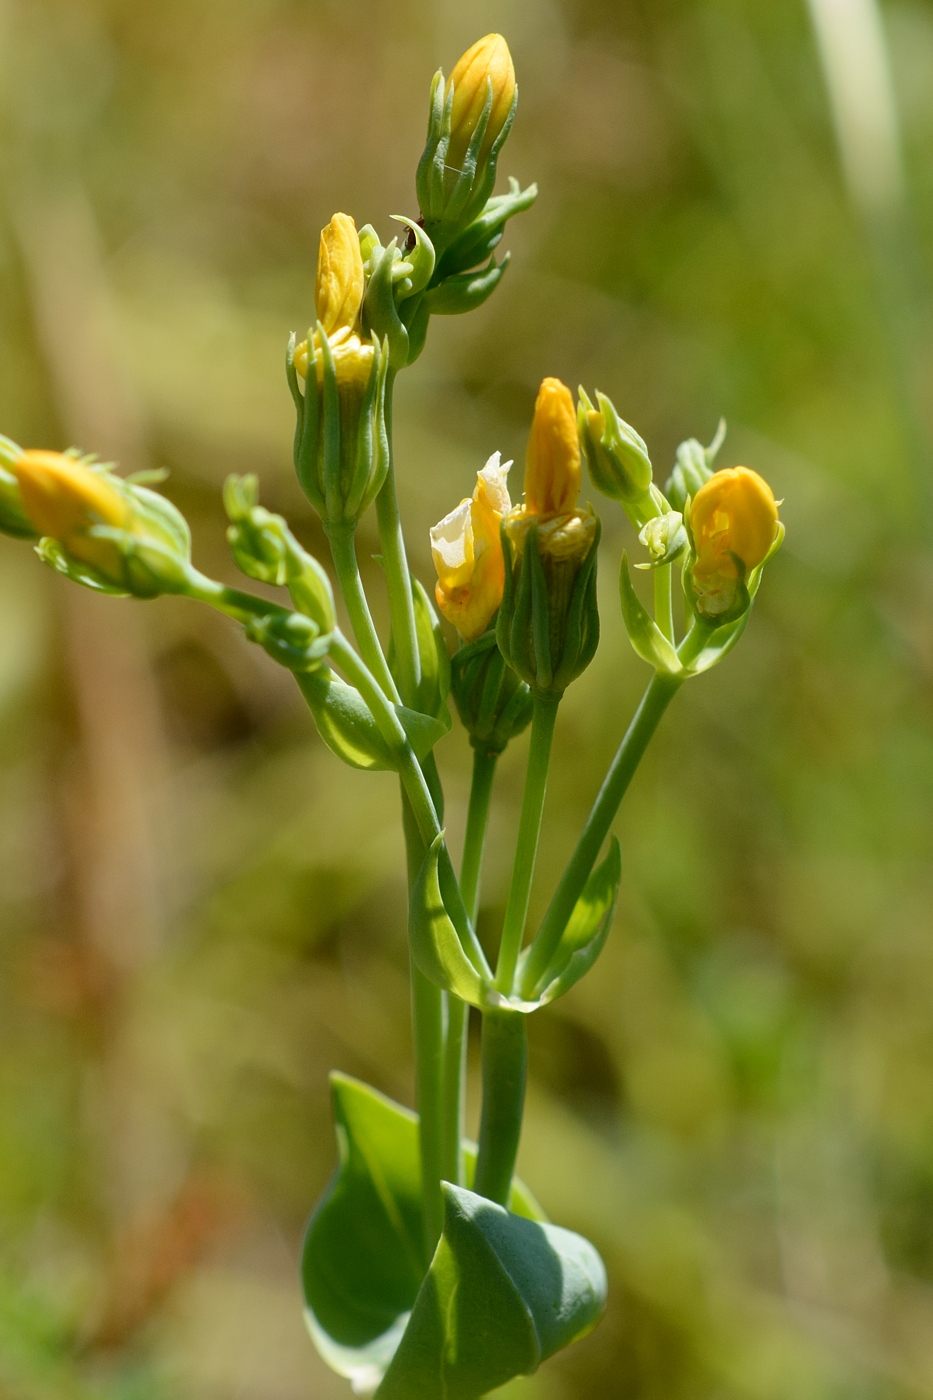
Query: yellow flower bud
(734, 523)
(338, 293)
(552, 469)
(467, 553)
(65, 498)
(487, 63)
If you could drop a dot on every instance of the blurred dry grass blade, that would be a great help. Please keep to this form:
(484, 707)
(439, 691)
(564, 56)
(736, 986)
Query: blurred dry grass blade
(855, 60)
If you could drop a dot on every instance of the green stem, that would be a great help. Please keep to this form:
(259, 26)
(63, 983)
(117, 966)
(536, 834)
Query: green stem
(236, 604)
(505, 1068)
(664, 601)
(390, 727)
(398, 577)
(484, 772)
(410, 772)
(654, 702)
(526, 847)
(427, 1023)
(343, 549)
(455, 1063)
(458, 1012)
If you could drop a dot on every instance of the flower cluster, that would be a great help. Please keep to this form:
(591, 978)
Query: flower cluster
(411, 1246)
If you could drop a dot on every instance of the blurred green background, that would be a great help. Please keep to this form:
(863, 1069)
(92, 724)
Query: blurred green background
(201, 912)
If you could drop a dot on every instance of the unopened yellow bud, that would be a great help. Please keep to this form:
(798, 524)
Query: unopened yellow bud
(338, 293)
(65, 498)
(552, 470)
(734, 522)
(487, 63)
(467, 553)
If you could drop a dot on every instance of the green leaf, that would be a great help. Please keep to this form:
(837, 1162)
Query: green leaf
(585, 935)
(436, 945)
(501, 1296)
(364, 1259)
(435, 658)
(344, 722)
(647, 639)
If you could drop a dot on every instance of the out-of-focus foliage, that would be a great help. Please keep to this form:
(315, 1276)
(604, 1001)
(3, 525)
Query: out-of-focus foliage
(737, 1107)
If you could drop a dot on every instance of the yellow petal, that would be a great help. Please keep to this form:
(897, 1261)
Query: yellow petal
(733, 514)
(552, 471)
(488, 58)
(64, 499)
(338, 295)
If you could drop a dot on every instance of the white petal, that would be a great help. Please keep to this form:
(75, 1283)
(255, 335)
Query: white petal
(495, 477)
(452, 537)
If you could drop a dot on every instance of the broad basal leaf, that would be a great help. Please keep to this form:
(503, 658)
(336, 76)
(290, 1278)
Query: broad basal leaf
(364, 1258)
(501, 1296)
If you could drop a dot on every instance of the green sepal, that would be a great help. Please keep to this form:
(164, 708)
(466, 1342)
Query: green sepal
(345, 724)
(465, 291)
(665, 538)
(618, 459)
(265, 549)
(721, 635)
(582, 940)
(380, 311)
(502, 1295)
(548, 623)
(646, 637)
(364, 1257)
(434, 686)
(51, 553)
(475, 244)
(448, 953)
(493, 703)
(292, 639)
(415, 269)
(13, 518)
(693, 465)
(451, 199)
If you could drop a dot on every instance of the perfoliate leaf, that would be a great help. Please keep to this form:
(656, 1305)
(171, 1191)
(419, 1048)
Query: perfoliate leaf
(435, 658)
(348, 729)
(501, 1296)
(436, 945)
(647, 639)
(364, 1259)
(585, 935)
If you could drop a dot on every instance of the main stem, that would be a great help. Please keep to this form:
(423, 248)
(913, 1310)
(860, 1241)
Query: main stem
(458, 1012)
(526, 848)
(346, 563)
(427, 1022)
(398, 578)
(654, 702)
(505, 1069)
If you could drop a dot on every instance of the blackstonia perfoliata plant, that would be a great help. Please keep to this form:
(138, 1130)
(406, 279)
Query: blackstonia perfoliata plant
(429, 1270)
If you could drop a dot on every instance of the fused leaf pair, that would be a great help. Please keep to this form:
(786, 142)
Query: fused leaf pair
(447, 952)
(503, 1291)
